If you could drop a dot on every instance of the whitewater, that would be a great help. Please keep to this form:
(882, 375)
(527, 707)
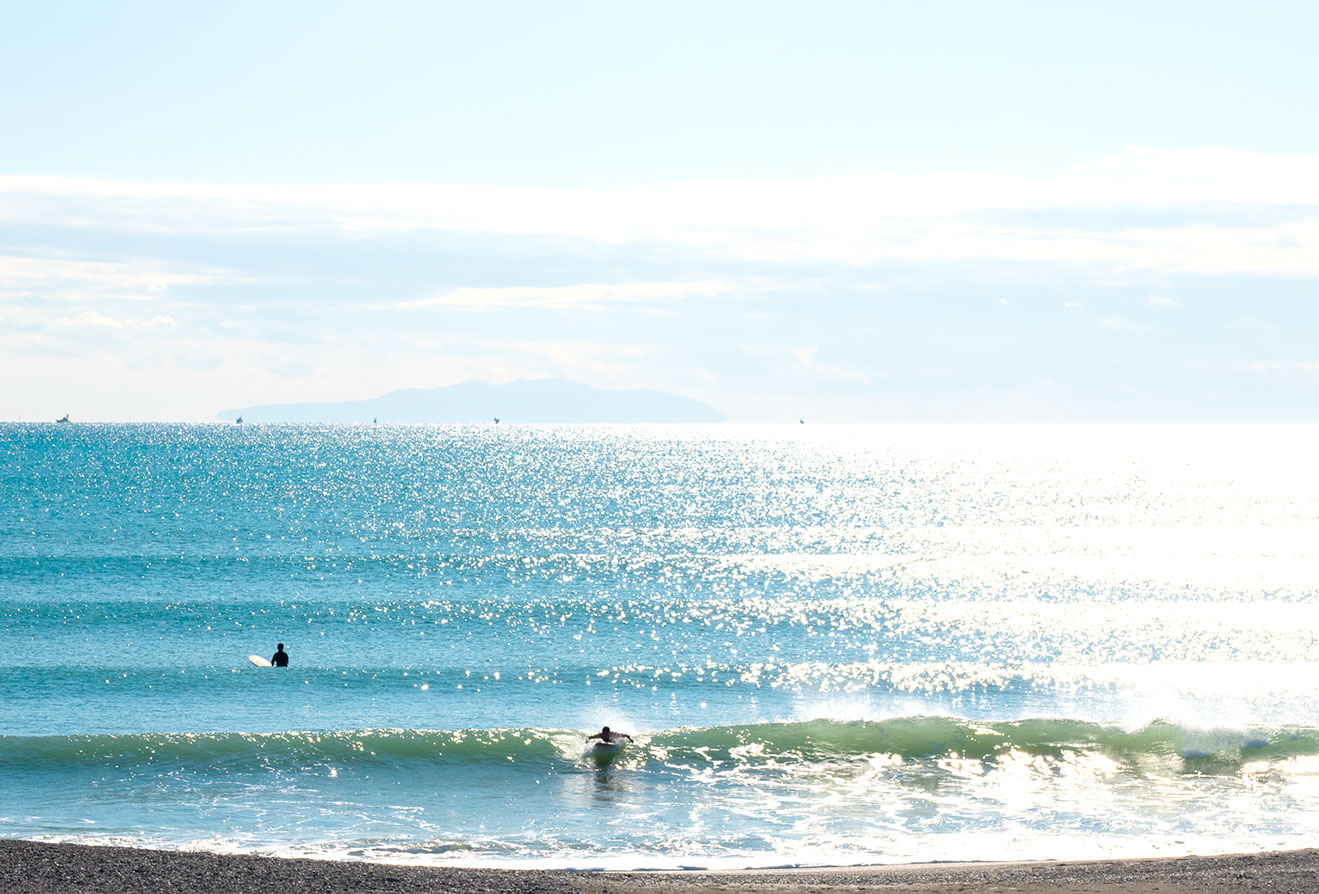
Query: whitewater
(833, 644)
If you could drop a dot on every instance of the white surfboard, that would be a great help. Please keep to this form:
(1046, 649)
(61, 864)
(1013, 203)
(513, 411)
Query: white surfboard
(603, 753)
(259, 661)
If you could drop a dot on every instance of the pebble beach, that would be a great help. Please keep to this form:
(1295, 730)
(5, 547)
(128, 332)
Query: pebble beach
(29, 867)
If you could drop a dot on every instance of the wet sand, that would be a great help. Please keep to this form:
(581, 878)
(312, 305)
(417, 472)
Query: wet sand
(28, 867)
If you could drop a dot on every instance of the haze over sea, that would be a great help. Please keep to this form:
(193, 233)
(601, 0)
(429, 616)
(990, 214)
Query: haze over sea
(833, 645)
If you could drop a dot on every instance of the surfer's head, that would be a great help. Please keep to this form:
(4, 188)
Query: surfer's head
(605, 730)
(279, 646)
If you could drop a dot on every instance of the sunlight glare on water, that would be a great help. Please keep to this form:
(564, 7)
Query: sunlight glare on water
(834, 644)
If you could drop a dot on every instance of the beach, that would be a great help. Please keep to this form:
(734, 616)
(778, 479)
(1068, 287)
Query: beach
(28, 867)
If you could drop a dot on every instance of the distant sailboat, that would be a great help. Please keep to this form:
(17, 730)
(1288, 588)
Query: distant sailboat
(64, 419)
(375, 420)
(238, 421)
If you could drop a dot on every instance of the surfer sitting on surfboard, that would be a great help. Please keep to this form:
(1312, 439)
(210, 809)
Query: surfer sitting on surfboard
(280, 658)
(608, 737)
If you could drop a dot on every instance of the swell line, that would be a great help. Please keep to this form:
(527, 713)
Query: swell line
(908, 738)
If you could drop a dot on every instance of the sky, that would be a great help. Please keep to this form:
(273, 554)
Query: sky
(837, 211)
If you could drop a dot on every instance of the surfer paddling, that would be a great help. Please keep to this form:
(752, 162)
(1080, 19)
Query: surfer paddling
(608, 737)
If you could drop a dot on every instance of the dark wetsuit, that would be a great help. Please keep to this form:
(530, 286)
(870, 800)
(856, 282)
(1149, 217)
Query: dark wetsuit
(280, 659)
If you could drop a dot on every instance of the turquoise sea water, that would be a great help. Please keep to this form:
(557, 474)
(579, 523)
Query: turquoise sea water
(833, 645)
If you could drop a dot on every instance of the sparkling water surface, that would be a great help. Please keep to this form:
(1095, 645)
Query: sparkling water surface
(833, 644)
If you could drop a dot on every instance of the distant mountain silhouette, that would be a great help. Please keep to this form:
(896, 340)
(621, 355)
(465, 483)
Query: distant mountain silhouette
(525, 400)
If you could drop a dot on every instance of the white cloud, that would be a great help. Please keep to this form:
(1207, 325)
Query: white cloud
(128, 325)
(95, 318)
(583, 296)
(916, 217)
(1119, 323)
(72, 279)
(429, 359)
(1145, 175)
(806, 360)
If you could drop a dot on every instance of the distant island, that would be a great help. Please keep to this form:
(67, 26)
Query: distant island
(523, 400)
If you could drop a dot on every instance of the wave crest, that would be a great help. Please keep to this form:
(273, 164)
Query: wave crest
(907, 738)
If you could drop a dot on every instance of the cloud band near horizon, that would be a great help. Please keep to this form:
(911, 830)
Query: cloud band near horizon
(872, 297)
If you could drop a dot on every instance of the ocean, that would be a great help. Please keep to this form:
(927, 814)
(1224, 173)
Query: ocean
(833, 645)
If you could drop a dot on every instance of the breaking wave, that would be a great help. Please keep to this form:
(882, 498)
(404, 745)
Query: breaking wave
(907, 738)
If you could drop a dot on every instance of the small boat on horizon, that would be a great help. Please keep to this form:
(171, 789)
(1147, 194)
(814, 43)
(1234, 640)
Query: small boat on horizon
(63, 419)
(238, 421)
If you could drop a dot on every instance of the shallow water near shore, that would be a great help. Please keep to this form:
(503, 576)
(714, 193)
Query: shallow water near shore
(834, 645)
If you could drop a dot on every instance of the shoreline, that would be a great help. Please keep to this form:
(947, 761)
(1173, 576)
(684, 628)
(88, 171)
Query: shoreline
(31, 867)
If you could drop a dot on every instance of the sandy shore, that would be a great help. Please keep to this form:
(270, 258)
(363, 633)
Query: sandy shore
(28, 867)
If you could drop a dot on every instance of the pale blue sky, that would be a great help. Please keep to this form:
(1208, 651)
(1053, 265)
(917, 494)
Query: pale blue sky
(852, 211)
